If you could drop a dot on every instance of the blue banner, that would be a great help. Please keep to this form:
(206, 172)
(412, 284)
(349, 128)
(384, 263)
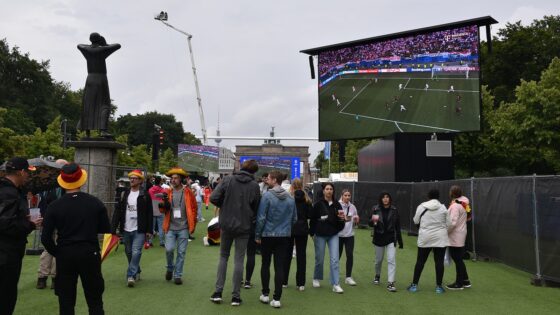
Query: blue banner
(327, 150)
(283, 163)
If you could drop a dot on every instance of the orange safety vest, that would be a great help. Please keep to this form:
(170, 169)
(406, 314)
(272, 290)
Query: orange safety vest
(190, 209)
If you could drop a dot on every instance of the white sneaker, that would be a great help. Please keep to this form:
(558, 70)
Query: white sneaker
(337, 289)
(350, 281)
(275, 304)
(205, 241)
(316, 283)
(264, 298)
(301, 288)
(284, 286)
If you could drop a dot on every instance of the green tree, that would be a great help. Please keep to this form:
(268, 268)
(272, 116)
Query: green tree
(47, 143)
(519, 52)
(29, 92)
(167, 160)
(140, 128)
(529, 127)
(189, 138)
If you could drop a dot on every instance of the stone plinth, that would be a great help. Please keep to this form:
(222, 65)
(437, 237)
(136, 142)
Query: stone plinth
(99, 158)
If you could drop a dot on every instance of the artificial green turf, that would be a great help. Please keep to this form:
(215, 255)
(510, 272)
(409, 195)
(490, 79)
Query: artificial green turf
(497, 289)
(373, 110)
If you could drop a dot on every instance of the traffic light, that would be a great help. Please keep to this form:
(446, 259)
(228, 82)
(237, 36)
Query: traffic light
(161, 136)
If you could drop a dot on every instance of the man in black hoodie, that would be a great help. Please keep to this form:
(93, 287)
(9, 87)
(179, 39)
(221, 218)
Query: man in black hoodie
(238, 198)
(15, 225)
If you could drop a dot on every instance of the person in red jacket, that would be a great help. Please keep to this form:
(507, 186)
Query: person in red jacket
(180, 210)
(207, 193)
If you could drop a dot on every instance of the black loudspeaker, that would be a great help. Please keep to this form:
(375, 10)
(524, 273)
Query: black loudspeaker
(342, 151)
(311, 67)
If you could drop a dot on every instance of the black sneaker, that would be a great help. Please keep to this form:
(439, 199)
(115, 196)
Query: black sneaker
(376, 280)
(466, 284)
(216, 297)
(391, 287)
(247, 285)
(454, 286)
(235, 301)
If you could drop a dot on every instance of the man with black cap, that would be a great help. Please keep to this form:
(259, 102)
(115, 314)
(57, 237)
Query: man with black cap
(78, 218)
(15, 225)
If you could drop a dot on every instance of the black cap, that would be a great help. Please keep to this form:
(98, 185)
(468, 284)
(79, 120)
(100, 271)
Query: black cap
(18, 164)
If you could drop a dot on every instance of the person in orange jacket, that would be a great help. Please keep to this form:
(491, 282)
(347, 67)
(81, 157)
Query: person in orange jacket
(179, 209)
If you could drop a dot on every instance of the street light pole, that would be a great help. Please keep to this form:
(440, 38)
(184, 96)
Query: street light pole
(162, 17)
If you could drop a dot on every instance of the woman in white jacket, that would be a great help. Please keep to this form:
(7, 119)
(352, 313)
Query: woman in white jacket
(434, 220)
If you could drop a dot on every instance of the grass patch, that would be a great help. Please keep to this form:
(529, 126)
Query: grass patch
(497, 289)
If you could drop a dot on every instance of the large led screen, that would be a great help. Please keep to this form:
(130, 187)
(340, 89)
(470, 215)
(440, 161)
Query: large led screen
(419, 83)
(198, 158)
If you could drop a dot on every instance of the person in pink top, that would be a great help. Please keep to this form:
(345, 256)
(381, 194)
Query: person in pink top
(457, 234)
(156, 189)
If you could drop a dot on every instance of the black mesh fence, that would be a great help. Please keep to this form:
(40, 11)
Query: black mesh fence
(548, 223)
(503, 221)
(515, 220)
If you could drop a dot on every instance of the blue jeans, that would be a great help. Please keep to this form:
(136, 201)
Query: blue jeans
(133, 243)
(320, 243)
(181, 239)
(199, 211)
(158, 221)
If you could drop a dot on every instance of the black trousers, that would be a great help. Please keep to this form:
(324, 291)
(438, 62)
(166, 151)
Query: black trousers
(347, 242)
(456, 254)
(10, 269)
(301, 252)
(251, 252)
(82, 261)
(423, 253)
(273, 246)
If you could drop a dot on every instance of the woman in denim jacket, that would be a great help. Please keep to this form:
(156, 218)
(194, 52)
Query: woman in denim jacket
(276, 215)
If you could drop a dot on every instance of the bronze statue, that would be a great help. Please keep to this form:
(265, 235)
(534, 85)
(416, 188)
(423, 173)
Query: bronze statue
(96, 100)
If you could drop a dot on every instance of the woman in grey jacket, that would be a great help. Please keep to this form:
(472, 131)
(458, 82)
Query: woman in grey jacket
(434, 220)
(276, 215)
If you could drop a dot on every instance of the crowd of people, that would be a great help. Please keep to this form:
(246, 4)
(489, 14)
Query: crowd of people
(275, 218)
(463, 40)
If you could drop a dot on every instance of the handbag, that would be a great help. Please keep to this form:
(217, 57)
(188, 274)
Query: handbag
(419, 220)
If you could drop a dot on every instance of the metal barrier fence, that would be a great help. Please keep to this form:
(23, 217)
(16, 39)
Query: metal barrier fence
(515, 220)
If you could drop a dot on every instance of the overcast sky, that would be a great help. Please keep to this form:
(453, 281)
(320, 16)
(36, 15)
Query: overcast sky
(246, 52)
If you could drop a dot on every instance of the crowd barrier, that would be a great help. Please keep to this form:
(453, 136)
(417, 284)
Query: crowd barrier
(515, 220)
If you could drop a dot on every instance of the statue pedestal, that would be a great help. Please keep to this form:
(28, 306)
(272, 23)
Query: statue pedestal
(99, 158)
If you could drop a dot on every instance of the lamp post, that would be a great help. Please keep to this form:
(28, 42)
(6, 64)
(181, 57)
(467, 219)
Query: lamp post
(162, 17)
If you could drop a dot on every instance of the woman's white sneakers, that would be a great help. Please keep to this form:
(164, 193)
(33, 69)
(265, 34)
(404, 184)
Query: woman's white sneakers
(316, 283)
(337, 289)
(350, 281)
(275, 304)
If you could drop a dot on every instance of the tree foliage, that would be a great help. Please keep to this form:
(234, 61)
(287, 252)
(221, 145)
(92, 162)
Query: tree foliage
(519, 52)
(140, 129)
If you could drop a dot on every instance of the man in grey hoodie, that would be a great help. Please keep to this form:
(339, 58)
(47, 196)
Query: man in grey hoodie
(238, 198)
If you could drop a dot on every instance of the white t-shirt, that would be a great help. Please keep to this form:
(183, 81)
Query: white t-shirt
(349, 211)
(131, 218)
(199, 194)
